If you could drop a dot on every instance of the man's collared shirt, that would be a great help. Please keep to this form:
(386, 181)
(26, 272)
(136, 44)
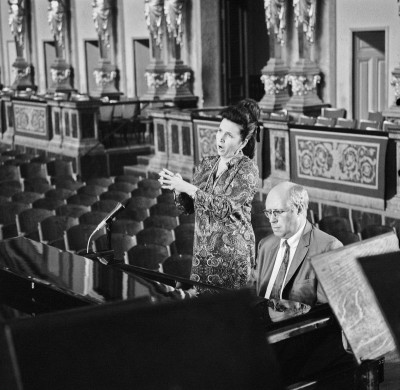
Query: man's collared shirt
(293, 242)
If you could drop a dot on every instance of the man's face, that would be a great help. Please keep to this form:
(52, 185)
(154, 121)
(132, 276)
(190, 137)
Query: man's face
(285, 221)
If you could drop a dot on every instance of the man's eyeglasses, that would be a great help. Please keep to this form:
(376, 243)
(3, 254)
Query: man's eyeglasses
(275, 213)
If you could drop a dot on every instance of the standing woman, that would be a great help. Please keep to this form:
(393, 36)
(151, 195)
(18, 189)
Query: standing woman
(220, 196)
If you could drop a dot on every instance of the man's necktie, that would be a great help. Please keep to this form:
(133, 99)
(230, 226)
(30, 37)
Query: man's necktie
(276, 289)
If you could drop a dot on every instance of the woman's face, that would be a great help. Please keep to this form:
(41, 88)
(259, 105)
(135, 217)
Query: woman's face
(228, 138)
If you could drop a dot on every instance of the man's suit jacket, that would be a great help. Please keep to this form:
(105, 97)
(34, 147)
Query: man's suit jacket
(301, 283)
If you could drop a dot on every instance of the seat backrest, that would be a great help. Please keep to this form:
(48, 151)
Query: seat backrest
(122, 186)
(130, 110)
(92, 189)
(154, 235)
(149, 256)
(72, 210)
(34, 170)
(47, 203)
(92, 217)
(120, 243)
(324, 121)
(106, 205)
(376, 230)
(58, 193)
(59, 168)
(161, 221)
(27, 220)
(149, 183)
(306, 120)
(119, 196)
(127, 178)
(127, 226)
(100, 181)
(26, 197)
(259, 220)
(53, 227)
(346, 237)
(106, 113)
(10, 172)
(76, 237)
(330, 112)
(178, 265)
(376, 116)
(331, 224)
(9, 210)
(146, 192)
(140, 202)
(366, 124)
(346, 123)
(82, 199)
(165, 209)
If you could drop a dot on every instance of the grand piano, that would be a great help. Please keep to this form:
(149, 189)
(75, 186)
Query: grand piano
(70, 321)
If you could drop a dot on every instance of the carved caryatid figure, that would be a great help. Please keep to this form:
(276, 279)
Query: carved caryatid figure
(55, 17)
(305, 14)
(173, 18)
(101, 18)
(153, 11)
(16, 21)
(275, 17)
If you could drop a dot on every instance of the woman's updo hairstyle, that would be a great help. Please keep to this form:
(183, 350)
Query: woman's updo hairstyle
(245, 114)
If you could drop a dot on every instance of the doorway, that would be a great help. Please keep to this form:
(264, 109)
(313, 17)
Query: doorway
(245, 50)
(369, 70)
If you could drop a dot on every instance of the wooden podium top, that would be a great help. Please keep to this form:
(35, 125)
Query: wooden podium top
(351, 297)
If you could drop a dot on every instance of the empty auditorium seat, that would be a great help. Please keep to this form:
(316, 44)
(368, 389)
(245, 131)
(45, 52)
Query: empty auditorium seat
(8, 212)
(331, 224)
(26, 197)
(72, 210)
(100, 181)
(306, 120)
(34, 170)
(324, 121)
(376, 230)
(331, 112)
(11, 174)
(146, 192)
(92, 217)
(39, 185)
(259, 220)
(186, 218)
(127, 226)
(76, 237)
(52, 228)
(154, 235)
(366, 124)
(82, 199)
(165, 209)
(61, 169)
(161, 221)
(67, 182)
(59, 193)
(149, 183)
(166, 197)
(8, 191)
(120, 243)
(346, 123)
(127, 179)
(346, 237)
(27, 221)
(178, 265)
(91, 189)
(122, 186)
(147, 256)
(47, 203)
(119, 196)
(106, 205)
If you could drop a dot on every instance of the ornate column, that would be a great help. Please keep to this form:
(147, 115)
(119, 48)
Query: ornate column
(155, 71)
(60, 69)
(275, 72)
(305, 75)
(178, 75)
(17, 22)
(106, 73)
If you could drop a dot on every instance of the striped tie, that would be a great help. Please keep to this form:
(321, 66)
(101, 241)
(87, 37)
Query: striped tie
(276, 289)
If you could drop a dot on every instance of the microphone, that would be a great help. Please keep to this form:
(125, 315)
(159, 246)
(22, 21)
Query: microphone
(105, 221)
(110, 216)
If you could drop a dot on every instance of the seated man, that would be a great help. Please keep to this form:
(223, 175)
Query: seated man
(285, 279)
(283, 267)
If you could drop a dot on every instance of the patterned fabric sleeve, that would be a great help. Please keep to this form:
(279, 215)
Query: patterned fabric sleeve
(242, 187)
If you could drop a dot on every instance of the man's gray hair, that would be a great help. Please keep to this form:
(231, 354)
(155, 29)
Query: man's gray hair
(298, 198)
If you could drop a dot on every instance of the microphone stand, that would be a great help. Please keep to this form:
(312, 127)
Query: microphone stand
(109, 251)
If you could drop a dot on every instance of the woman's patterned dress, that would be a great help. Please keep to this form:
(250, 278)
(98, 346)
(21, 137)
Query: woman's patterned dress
(224, 246)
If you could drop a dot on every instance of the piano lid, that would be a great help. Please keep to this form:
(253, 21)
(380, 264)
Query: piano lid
(75, 275)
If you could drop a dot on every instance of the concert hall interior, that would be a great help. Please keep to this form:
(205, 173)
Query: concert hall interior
(96, 282)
